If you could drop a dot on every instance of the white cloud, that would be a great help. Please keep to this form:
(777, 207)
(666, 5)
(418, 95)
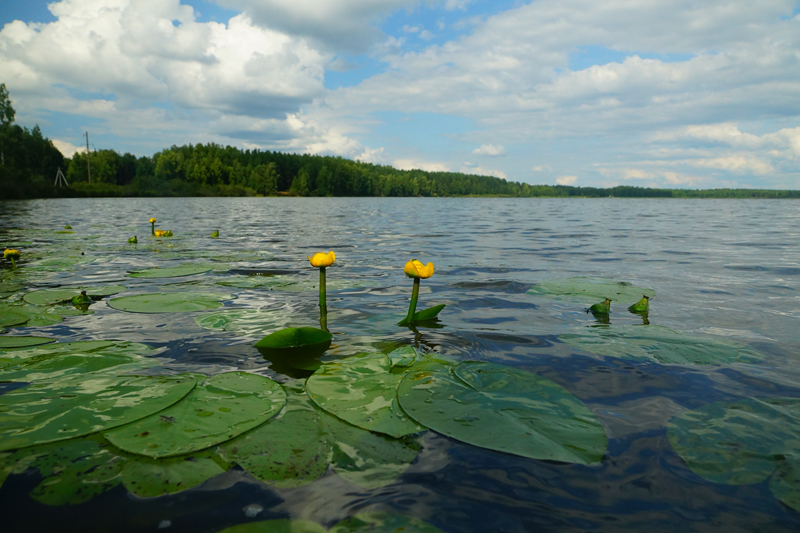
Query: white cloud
(469, 168)
(425, 35)
(410, 29)
(490, 149)
(567, 180)
(411, 164)
(67, 149)
(738, 164)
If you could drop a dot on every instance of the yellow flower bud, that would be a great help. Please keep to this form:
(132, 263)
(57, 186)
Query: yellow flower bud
(153, 221)
(415, 269)
(322, 259)
(11, 254)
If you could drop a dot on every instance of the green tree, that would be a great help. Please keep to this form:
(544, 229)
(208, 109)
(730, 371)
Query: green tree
(300, 183)
(7, 112)
(264, 179)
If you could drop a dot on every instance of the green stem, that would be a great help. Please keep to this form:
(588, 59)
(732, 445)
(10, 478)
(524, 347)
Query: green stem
(322, 301)
(152, 228)
(412, 306)
(13, 263)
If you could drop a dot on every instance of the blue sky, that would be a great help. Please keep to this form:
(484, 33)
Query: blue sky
(651, 93)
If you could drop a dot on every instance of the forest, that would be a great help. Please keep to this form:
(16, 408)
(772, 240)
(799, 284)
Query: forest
(29, 163)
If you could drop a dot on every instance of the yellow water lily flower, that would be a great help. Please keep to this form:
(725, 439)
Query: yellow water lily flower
(153, 221)
(321, 259)
(11, 254)
(415, 269)
(160, 233)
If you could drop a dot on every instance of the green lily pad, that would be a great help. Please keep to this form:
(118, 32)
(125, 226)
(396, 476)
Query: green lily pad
(35, 316)
(169, 272)
(48, 367)
(589, 289)
(368, 459)
(290, 450)
(78, 405)
(361, 390)
(59, 263)
(55, 296)
(294, 338)
(8, 317)
(280, 525)
(218, 410)
(383, 522)
(785, 483)
(148, 479)
(422, 316)
(403, 357)
(503, 409)
(169, 302)
(247, 322)
(739, 442)
(661, 345)
(23, 341)
(78, 347)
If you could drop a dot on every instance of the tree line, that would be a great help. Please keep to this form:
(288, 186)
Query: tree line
(29, 162)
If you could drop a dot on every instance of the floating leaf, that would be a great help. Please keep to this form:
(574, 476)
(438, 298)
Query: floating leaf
(362, 390)
(403, 357)
(169, 272)
(739, 442)
(661, 345)
(589, 289)
(281, 525)
(106, 347)
(79, 405)
(422, 316)
(9, 317)
(383, 522)
(23, 341)
(293, 338)
(54, 296)
(59, 263)
(149, 478)
(290, 450)
(504, 409)
(48, 367)
(169, 302)
(34, 316)
(219, 409)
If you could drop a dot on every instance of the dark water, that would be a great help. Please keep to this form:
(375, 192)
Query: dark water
(727, 268)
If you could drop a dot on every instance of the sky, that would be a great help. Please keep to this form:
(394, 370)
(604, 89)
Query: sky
(648, 93)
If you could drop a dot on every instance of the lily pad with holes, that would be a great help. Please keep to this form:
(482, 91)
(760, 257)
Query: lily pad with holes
(219, 409)
(65, 294)
(169, 272)
(503, 409)
(362, 390)
(290, 450)
(740, 442)
(660, 345)
(589, 289)
(23, 341)
(78, 405)
(169, 302)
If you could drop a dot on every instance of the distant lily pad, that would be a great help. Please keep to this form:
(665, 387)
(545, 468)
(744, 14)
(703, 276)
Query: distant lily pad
(55, 296)
(59, 263)
(23, 341)
(504, 409)
(77, 405)
(362, 390)
(661, 345)
(290, 450)
(12, 315)
(169, 272)
(170, 302)
(589, 289)
(219, 409)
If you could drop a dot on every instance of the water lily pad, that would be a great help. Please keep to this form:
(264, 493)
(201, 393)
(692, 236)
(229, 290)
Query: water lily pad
(218, 410)
(661, 345)
(280, 525)
(383, 522)
(169, 272)
(362, 390)
(78, 405)
(248, 322)
(290, 450)
(425, 315)
(148, 479)
(293, 338)
(9, 317)
(589, 289)
(23, 341)
(739, 442)
(169, 302)
(64, 294)
(504, 409)
(48, 367)
(110, 347)
(785, 483)
(59, 263)
(35, 316)
(403, 357)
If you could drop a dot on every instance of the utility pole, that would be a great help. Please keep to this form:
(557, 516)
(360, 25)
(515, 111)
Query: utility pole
(88, 166)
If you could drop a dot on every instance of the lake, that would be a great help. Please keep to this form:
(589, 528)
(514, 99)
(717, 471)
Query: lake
(717, 354)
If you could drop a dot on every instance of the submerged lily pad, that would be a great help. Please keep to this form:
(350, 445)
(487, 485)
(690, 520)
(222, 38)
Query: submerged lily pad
(169, 302)
(169, 272)
(78, 405)
(54, 296)
(290, 450)
(589, 289)
(504, 409)
(219, 409)
(362, 390)
(740, 442)
(661, 345)
(23, 341)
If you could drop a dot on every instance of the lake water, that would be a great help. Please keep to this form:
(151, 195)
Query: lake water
(722, 269)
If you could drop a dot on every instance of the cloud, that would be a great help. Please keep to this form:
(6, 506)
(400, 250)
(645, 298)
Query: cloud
(350, 25)
(67, 149)
(425, 35)
(738, 164)
(469, 168)
(490, 149)
(411, 164)
(567, 180)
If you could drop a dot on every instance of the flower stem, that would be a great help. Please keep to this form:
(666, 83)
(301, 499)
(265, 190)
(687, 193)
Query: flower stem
(412, 306)
(152, 228)
(13, 263)
(323, 304)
